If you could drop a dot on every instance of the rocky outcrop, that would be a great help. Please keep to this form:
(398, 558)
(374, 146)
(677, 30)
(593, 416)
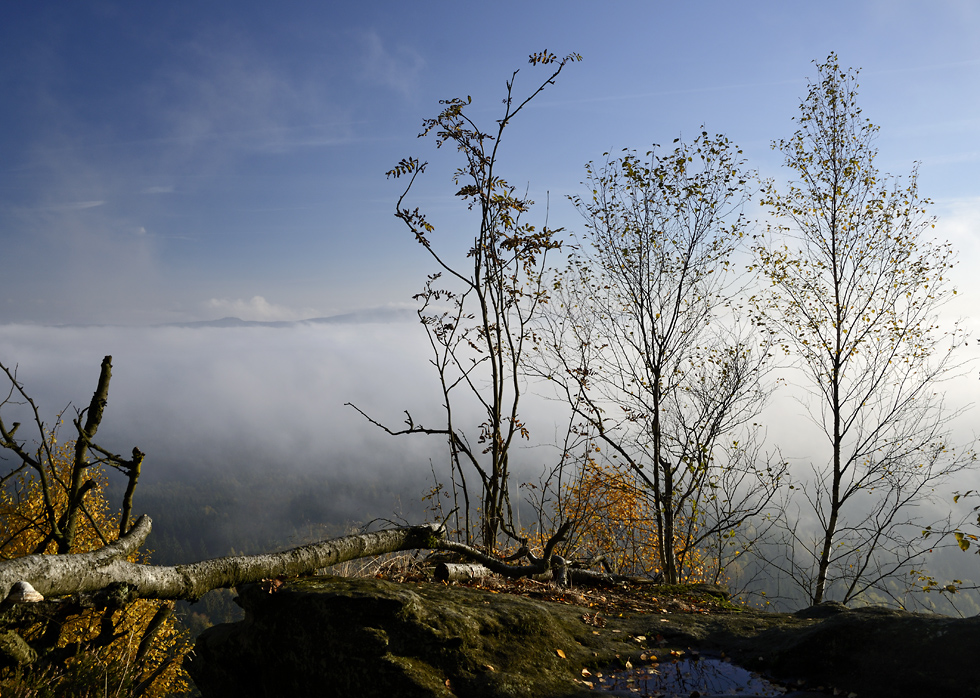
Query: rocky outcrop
(872, 652)
(868, 651)
(327, 636)
(355, 637)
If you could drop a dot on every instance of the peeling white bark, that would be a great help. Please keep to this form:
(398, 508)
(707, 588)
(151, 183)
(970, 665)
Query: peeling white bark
(62, 575)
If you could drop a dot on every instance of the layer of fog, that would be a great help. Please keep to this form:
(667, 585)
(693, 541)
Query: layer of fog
(251, 397)
(266, 404)
(262, 403)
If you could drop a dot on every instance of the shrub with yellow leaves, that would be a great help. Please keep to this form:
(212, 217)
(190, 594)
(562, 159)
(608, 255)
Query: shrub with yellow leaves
(134, 650)
(616, 521)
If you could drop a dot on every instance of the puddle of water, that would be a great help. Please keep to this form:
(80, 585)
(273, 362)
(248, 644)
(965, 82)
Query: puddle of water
(686, 678)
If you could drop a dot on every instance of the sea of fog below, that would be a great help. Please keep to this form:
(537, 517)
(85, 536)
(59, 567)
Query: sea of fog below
(251, 445)
(255, 511)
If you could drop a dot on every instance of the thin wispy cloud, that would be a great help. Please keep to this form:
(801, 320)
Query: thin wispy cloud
(71, 206)
(399, 68)
(649, 94)
(231, 96)
(953, 158)
(244, 156)
(257, 308)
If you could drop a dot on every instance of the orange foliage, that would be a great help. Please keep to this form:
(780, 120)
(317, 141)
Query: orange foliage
(616, 519)
(23, 528)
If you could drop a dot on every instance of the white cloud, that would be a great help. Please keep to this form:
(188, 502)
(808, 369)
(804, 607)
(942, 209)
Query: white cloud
(258, 308)
(159, 190)
(230, 97)
(959, 221)
(73, 206)
(234, 399)
(240, 397)
(399, 70)
(204, 399)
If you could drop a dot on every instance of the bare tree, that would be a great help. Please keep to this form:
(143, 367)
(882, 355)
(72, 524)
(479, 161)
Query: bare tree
(645, 344)
(478, 315)
(855, 289)
(39, 459)
(52, 505)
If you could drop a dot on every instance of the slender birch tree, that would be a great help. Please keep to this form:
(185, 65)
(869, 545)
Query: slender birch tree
(478, 312)
(855, 288)
(646, 348)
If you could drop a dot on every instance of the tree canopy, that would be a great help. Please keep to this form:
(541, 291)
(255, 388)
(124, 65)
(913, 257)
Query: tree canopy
(855, 289)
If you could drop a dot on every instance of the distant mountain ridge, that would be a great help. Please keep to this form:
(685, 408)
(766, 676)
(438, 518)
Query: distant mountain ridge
(358, 317)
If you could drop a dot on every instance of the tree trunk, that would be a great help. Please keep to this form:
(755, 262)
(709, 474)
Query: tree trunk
(108, 569)
(63, 575)
(460, 572)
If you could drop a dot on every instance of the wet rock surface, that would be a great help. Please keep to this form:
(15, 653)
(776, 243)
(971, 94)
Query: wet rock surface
(331, 636)
(874, 652)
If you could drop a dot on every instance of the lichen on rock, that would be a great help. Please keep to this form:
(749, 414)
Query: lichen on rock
(333, 636)
(330, 636)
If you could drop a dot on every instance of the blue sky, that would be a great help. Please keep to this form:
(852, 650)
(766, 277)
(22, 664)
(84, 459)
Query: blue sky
(180, 161)
(175, 161)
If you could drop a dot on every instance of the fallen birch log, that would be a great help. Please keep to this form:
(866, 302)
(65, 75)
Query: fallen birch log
(64, 575)
(89, 573)
(460, 571)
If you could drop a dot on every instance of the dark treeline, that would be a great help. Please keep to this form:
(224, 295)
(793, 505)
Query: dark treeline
(206, 515)
(222, 512)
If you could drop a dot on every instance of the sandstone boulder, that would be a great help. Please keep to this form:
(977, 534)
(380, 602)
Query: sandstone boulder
(330, 636)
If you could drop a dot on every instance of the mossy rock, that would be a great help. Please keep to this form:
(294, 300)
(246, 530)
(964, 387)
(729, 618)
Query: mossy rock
(357, 637)
(331, 636)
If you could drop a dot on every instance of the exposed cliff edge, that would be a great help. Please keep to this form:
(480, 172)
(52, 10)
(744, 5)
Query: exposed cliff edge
(328, 636)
